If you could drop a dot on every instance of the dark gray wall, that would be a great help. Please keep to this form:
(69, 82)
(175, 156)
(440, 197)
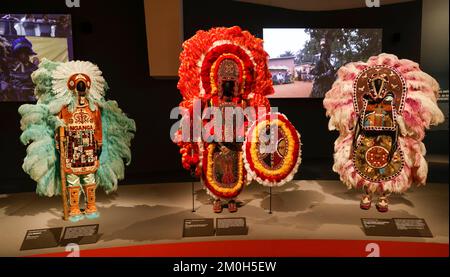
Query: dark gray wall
(112, 35)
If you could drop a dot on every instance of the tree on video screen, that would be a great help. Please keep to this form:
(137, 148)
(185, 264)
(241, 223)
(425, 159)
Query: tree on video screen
(287, 54)
(346, 45)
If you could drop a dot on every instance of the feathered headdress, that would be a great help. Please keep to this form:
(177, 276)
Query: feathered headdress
(202, 53)
(52, 79)
(64, 71)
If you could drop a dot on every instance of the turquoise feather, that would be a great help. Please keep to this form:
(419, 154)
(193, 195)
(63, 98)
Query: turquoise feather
(118, 131)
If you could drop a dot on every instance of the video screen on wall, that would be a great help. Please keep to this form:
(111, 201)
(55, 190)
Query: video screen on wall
(26, 39)
(304, 62)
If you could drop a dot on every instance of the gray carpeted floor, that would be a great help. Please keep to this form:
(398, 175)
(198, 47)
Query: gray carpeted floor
(154, 213)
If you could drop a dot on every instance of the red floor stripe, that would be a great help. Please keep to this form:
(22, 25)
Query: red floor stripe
(270, 248)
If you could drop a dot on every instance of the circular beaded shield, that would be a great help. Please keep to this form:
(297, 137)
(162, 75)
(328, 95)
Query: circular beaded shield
(272, 150)
(377, 156)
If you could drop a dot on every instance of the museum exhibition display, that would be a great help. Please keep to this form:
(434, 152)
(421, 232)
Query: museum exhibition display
(76, 139)
(249, 132)
(381, 109)
(226, 69)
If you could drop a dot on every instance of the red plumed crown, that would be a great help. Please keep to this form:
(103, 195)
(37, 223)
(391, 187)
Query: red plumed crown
(221, 54)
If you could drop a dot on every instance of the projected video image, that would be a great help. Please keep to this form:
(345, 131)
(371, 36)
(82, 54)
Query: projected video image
(26, 39)
(304, 62)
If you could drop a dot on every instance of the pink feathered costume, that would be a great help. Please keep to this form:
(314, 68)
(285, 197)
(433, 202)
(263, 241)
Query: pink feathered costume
(419, 110)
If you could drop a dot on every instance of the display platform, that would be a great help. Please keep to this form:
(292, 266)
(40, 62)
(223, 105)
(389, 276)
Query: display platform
(310, 218)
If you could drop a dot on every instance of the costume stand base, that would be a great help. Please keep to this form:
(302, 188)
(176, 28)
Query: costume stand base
(270, 200)
(193, 195)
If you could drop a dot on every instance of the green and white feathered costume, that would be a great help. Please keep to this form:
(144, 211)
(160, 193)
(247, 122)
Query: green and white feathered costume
(40, 123)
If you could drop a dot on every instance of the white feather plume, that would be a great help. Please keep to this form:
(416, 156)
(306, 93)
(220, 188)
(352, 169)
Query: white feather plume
(65, 70)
